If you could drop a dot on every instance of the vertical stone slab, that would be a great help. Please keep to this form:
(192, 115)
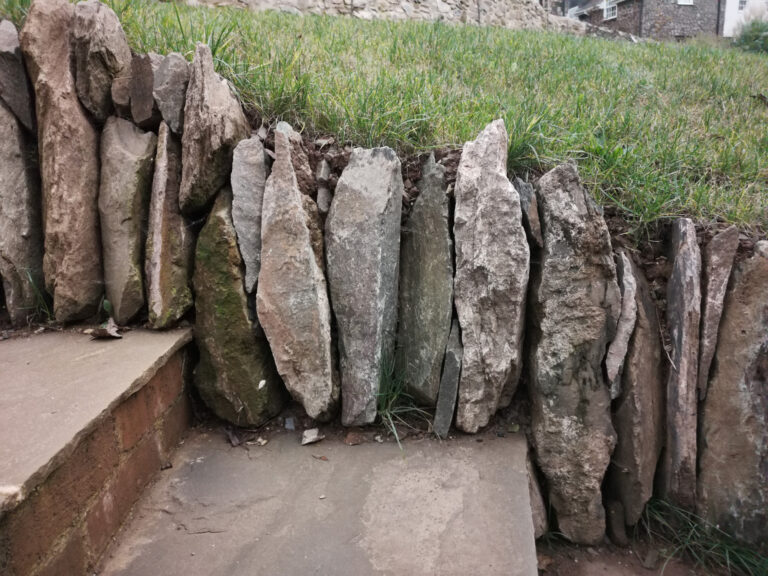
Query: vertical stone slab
(426, 287)
(492, 260)
(617, 350)
(683, 319)
(14, 84)
(169, 90)
(733, 491)
(69, 164)
(21, 229)
(575, 309)
(292, 298)
(449, 382)
(717, 264)
(362, 238)
(170, 243)
(300, 159)
(639, 410)
(236, 374)
(144, 109)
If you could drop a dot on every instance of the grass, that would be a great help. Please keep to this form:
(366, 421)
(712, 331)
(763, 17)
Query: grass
(657, 129)
(394, 406)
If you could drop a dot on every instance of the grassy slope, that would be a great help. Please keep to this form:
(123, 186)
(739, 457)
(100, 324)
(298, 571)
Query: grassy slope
(658, 129)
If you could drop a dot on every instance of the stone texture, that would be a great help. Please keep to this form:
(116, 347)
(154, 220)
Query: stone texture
(249, 176)
(492, 259)
(617, 350)
(292, 297)
(300, 159)
(170, 90)
(121, 95)
(69, 164)
(426, 287)
(733, 492)
(213, 125)
(683, 301)
(449, 382)
(127, 158)
(100, 52)
(14, 84)
(144, 110)
(574, 311)
(638, 414)
(717, 264)
(530, 209)
(538, 506)
(362, 248)
(21, 236)
(170, 243)
(236, 374)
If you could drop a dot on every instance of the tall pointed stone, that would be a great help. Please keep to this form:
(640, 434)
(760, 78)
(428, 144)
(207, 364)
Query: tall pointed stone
(300, 159)
(575, 308)
(21, 233)
(170, 242)
(492, 261)
(678, 482)
(213, 125)
(733, 464)
(14, 84)
(363, 246)
(127, 158)
(236, 374)
(292, 298)
(426, 287)
(69, 164)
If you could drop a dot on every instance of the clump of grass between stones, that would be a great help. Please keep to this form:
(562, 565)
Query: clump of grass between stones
(395, 406)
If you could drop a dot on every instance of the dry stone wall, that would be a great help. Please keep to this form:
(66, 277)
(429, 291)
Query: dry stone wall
(306, 275)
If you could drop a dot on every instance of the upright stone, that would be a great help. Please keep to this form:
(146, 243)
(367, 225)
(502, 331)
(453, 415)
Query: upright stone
(236, 374)
(683, 305)
(69, 165)
(530, 208)
(300, 159)
(249, 177)
(717, 264)
(21, 230)
(617, 350)
(575, 309)
(639, 411)
(170, 90)
(292, 297)
(492, 259)
(213, 125)
(538, 506)
(733, 491)
(14, 84)
(363, 248)
(127, 157)
(144, 109)
(170, 243)
(101, 53)
(449, 382)
(426, 287)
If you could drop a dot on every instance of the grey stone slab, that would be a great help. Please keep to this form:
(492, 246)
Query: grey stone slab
(449, 382)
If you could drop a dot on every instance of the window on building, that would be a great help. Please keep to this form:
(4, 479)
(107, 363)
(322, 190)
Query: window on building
(742, 5)
(610, 11)
(685, 2)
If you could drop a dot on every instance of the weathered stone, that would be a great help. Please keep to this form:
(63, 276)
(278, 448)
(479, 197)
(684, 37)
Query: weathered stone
(69, 165)
(236, 375)
(530, 208)
(426, 287)
(617, 350)
(213, 125)
(100, 52)
(538, 507)
(678, 482)
(144, 110)
(733, 490)
(21, 231)
(363, 246)
(292, 298)
(638, 415)
(717, 264)
(14, 84)
(492, 259)
(249, 175)
(300, 159)
(170, 90)
(170, 243)
(127, 158)
(324, 199)
(617, 531)
(575, 308)
(449, 382)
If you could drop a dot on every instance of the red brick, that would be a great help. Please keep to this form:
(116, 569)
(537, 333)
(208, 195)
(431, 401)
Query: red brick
(167, 384)
(175, 425)
(71, 561)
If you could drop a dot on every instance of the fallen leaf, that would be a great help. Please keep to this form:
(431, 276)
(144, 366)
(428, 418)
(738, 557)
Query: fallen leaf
(106, 331)
(318, 457)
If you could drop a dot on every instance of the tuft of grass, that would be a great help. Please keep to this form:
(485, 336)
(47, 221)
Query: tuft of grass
(753, 37)
(687, 534)
(395, 407)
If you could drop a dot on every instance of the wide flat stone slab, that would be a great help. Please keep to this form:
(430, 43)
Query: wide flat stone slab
(458, 507)
(54, 388)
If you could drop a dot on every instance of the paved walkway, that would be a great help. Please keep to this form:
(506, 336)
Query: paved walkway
(459, 507)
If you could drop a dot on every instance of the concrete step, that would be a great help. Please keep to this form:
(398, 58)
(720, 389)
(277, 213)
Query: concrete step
(459, 507)
(85, 425)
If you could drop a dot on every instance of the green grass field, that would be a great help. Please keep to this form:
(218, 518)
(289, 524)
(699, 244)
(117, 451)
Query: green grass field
(657, 129)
